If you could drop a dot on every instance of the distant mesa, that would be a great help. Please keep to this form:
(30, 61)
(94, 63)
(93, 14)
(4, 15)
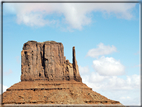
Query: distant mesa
(48, 78)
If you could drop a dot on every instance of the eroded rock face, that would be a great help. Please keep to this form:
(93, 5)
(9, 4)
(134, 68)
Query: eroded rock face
(46, 61)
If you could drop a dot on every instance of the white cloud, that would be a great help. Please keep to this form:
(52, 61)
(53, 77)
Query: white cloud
(32, 19)
(4, 88)
(126, 90)
(125, 97)
(132, 97)
(107, 82)
(108, 66)
(98, 82)
(75, 15)
(101, 50)
(83, 70)
(95, 77)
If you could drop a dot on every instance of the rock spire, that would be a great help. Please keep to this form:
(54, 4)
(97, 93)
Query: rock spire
(75, 67)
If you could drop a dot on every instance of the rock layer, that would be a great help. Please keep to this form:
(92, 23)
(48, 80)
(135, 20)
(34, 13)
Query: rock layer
(46, 61)
(53, 92)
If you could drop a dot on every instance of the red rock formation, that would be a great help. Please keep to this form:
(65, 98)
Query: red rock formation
(46, 61)
(48, 78)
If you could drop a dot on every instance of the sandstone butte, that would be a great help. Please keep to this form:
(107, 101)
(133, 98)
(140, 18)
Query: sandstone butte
(48, 78)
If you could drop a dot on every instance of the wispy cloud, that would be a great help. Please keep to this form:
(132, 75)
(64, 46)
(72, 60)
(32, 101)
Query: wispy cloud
(17, 59)
(8, 72)
(74, 15)
(101, 50)
(137, 53)
(139, 65)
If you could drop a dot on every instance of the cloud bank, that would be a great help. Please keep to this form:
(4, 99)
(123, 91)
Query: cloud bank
(73, 15)
(111, 83)
(126, 90)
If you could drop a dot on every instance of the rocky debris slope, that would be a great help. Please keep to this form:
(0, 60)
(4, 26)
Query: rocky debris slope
(48, 78)
(44, 92)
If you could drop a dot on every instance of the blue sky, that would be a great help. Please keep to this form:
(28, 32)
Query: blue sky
(106, 38)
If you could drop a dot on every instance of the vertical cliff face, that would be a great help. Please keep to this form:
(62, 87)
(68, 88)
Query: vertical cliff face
(46, 61)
